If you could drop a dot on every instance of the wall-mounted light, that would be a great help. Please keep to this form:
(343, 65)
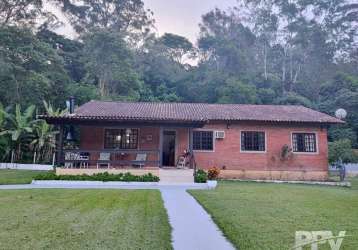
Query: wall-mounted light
(69, 136)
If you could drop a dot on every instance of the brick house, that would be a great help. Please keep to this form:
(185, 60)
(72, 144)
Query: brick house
(244, 141)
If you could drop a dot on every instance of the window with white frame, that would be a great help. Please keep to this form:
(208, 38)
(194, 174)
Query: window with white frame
(304, 142)
(252, 141)
(203, 140)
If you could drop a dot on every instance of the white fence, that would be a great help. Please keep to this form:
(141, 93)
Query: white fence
(40, 167)
(351, 169)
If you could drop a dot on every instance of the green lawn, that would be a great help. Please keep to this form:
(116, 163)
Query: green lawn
(83, 219)
(14, 176)
(266, 216)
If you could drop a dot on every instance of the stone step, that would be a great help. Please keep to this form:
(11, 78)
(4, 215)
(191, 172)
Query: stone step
(176, 175)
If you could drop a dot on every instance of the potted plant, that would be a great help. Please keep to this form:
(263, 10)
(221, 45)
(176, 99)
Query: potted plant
(213, 174)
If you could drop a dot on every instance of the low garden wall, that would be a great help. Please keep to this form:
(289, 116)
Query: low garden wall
(274, 175)
(40, 167)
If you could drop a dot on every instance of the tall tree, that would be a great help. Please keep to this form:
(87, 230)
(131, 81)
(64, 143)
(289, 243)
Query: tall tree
(128, 17)
(25, 12)
(226, 43)
(109, 64)
(31, 70)
(178, 47)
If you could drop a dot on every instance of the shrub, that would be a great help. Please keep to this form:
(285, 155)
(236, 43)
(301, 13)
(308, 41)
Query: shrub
(341, 149)
(213, 173)
(127, 177)
(200, 176)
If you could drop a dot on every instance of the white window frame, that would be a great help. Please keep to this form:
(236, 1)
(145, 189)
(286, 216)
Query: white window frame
(251, 151)
(201, 150)
(305, 132)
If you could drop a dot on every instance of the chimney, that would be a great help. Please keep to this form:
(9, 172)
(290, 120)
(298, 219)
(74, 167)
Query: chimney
(72, 105)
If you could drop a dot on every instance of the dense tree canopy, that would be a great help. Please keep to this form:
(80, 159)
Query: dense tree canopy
(259, 52)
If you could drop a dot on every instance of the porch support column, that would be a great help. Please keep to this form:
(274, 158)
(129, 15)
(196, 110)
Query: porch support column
(190, 140)
(160, 147)
(191, 149)
(59, 149)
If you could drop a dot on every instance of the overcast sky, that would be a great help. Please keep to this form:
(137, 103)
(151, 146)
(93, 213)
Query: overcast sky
(181, 17)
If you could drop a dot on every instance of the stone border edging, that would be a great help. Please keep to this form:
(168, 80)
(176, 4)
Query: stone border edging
(113, 183)
(21, 166)
(86, 183)
(323, 183)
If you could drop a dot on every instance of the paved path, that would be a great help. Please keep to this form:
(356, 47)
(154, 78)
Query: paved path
(193, 228)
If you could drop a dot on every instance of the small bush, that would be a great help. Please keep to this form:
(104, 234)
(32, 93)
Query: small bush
(213, 173)
(341, 149)
(127, 177)
(200, 176)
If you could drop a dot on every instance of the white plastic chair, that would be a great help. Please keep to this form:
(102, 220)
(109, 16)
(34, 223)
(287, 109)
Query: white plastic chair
(105, 160)
(140, 158)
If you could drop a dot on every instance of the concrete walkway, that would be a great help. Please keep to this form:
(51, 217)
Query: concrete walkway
(193, 228)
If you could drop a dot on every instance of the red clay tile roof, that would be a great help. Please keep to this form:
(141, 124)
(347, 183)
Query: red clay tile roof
(196, 112)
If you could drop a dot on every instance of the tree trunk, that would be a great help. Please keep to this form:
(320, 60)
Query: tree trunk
(265, 61)
(102, 87)
(283, 78)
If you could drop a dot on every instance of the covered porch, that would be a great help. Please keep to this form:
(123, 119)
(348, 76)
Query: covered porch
(138, 147)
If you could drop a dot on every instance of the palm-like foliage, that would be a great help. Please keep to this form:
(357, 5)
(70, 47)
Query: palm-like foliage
(2, 117)
(50, 110)
(4, 143)
(20, 126)
(45, 140)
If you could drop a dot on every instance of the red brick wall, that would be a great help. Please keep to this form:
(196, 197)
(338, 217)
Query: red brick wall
(227, 153)
(92, 138)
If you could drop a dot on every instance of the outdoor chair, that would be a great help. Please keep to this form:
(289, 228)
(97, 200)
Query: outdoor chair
(139, 160)
(70, 156)
(104, 160)
(84, 159)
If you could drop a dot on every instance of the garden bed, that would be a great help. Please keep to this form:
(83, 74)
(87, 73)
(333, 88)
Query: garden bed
(100, 177)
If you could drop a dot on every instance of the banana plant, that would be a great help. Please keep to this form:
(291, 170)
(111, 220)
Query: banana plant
(51, 111)
(4, 142)
(20, 126)
(45, 140)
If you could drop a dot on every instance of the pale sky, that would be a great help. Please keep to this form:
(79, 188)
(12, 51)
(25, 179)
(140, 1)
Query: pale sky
(181, 17)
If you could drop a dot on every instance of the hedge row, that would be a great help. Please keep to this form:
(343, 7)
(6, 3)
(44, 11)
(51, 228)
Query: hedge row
(127, 177)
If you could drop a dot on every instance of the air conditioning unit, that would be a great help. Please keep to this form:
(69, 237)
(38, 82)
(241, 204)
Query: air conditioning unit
(219, 134)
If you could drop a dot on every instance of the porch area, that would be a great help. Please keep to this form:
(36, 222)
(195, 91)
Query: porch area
(137, 148)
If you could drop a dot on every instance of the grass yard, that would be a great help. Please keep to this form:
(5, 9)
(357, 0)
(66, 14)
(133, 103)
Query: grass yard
(15, 176)
(266, 216)
(83, 219)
